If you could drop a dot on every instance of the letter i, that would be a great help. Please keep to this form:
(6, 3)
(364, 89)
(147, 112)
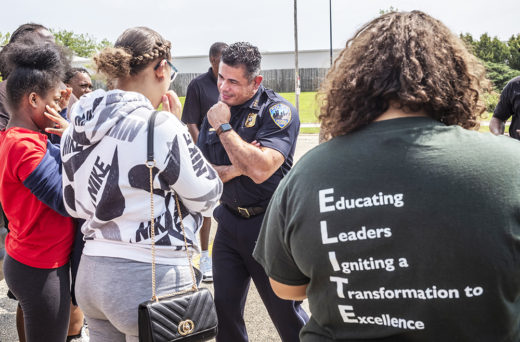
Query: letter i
(334, 261)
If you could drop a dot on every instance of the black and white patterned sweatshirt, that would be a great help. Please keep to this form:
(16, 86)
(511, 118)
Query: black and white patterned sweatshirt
(106, 181)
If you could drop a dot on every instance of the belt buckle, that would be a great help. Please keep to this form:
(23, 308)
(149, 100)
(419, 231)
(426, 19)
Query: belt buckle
(244, 212)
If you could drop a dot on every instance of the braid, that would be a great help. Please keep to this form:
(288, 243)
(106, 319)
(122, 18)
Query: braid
(159, 50)
(135, 49)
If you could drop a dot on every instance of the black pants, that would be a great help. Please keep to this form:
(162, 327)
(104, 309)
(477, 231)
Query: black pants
(233, 269)
(44, 295)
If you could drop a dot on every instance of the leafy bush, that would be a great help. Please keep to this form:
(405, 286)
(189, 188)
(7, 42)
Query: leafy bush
(491, 100)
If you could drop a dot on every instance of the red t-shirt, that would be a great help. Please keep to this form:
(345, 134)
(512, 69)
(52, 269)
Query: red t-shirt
(39, 237)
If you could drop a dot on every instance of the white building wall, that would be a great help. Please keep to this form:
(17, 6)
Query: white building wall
(270, 61)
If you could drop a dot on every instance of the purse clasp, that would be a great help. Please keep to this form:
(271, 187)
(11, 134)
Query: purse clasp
(186, 327)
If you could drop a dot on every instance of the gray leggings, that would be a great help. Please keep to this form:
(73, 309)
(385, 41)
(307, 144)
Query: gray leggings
(109, 291)
(44, 295)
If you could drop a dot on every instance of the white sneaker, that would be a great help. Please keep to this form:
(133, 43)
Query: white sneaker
(206, 269)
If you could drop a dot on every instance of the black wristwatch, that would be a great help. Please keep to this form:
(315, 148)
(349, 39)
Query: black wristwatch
(224, 128)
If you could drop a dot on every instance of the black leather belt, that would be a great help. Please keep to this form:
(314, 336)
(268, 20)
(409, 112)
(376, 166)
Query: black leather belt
(246, 212)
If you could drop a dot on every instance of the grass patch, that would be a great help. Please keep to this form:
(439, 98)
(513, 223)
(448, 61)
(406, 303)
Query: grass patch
(307, 105)
(309, 130)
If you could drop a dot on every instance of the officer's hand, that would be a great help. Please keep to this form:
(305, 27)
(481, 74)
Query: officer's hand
(171, 103)
(219, 114)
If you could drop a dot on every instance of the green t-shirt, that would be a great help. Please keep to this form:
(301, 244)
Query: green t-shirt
(406, 230)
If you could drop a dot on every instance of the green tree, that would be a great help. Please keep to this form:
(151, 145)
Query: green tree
(500, 74)
(103, 44)
(491, 49)
(514, 52)
(82, 45)
(389, 10)
(483, 48)
(467, 38)
(4, 38)
(500, 51)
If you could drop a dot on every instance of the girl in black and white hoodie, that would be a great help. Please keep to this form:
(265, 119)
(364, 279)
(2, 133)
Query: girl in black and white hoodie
(106, 182)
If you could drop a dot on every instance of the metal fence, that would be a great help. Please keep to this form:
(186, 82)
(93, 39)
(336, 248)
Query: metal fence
(281, 80)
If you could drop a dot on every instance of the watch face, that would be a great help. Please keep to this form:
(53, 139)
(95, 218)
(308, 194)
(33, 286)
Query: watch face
(225, 127)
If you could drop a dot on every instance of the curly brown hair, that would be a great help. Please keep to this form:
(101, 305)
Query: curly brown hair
(408, 58)
(133, 51)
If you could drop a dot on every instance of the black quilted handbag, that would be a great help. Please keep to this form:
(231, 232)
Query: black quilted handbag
(187, 315)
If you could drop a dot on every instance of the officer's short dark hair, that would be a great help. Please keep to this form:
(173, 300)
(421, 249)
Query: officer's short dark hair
(216, 49)
(73, 72)
(243, 53)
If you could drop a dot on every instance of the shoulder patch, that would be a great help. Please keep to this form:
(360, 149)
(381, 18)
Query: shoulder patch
(281, 114)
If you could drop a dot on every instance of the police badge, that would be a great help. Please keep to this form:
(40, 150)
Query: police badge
(251, 120)
(281, 114)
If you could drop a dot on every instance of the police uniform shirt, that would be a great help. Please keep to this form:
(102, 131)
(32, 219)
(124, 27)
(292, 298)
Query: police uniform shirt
(201, 95)
(270, 120)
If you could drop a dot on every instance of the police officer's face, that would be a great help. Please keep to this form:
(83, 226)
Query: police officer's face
(233, 85)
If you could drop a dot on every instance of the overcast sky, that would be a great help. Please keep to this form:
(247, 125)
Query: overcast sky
(193, 25)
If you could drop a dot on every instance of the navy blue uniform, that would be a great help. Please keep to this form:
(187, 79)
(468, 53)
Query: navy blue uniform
(274, 123)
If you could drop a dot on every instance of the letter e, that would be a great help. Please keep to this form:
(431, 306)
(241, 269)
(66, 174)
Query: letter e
(324, 200)
(347, 313)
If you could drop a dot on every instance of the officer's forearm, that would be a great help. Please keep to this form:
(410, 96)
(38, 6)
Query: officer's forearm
(256, 163)
(227, 172)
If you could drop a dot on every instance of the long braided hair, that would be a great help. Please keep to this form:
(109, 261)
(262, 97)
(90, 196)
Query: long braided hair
(135, 49)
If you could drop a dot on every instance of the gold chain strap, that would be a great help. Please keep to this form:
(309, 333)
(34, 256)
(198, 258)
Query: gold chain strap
(152, 226)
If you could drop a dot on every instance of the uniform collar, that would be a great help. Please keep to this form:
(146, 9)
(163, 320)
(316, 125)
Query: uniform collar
(253, 101)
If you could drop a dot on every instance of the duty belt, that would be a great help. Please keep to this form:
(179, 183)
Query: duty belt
(247, 212)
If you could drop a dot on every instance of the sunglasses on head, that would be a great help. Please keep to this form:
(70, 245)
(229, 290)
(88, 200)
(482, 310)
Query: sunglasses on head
(174, 69)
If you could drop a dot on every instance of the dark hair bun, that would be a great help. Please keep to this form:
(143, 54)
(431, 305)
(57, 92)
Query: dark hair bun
(36, 67)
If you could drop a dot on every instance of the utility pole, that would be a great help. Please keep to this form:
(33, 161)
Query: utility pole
(330, 29)
(296, 71)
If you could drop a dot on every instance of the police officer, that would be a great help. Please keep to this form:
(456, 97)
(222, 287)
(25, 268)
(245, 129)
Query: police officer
(250, 137)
